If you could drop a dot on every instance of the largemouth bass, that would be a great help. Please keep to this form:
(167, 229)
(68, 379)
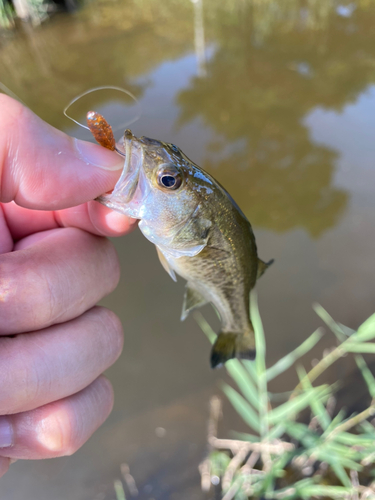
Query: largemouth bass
(199, 232)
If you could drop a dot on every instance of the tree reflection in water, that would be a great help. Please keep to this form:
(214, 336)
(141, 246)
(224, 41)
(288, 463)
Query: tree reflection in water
(273, 63)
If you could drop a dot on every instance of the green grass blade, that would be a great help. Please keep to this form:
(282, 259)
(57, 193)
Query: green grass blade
(317, 406)
(276, 432)
(321, 490)
(279, 397)
(276, 471)
(355, 439)
(333, 452)
(309, 440)
(119, 490)
(242, 378)
(250, 367)
(336, 464)
(366, 374)
(328, 320)
(337, 420)
(339, 449)
(297, 430)
(361, 347)
(245, 437)
(260, 342)
(287, 361)
(291, 408)
(348, 332)
(204, 326)
(367, 330)
(295, 491)
(260, 365)
(367, 428)
(341, 474)
(243, 408)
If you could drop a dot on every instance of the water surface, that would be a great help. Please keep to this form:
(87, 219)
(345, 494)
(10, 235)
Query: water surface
(277, 100)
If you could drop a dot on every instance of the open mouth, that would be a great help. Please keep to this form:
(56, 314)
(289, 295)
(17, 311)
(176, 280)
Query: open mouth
(122, 195)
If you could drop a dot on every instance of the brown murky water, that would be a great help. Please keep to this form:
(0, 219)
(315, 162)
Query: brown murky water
(277, 100)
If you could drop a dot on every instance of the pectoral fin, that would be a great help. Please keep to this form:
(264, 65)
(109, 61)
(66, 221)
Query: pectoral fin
(165, 264)
(192, 300)
(194, 233)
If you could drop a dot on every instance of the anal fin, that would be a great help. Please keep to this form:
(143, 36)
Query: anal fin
(164, 262)
(192, 300)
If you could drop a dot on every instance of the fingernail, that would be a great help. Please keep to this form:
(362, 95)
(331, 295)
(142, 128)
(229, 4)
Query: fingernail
(6, 433)
(98, 156)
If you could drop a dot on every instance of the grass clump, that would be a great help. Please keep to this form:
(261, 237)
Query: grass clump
(328, 455)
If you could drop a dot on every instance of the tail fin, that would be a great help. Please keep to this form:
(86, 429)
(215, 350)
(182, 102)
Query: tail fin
(263, 266)
(232, 345)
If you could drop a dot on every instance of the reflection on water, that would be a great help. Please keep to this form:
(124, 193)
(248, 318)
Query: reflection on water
(271, 75)
(199, 43)
(264, 95)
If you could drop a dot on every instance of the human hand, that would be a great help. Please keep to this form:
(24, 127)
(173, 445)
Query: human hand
(55, 265)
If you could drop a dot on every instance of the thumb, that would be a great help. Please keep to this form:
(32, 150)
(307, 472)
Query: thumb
(43, 168)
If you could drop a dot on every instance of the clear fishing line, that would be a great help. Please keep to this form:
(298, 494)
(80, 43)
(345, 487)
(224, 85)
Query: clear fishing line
(106, 87)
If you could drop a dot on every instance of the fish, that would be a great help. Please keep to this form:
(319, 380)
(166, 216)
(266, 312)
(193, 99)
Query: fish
(199, 231)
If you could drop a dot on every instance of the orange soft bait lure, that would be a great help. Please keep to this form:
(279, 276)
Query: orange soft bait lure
(101, 130)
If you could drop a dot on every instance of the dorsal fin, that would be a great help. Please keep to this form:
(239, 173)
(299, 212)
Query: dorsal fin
(262, 266)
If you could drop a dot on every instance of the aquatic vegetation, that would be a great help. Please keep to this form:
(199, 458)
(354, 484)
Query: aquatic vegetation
(284, 455)
(6, 15)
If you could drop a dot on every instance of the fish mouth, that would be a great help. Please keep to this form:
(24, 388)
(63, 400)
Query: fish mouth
(131, 189)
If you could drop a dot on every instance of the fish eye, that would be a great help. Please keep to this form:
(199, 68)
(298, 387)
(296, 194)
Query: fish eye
(169, 177)
(168, 181)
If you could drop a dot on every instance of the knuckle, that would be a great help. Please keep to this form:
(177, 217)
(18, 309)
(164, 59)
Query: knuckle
(8, 293)
(15, 397)
(41, 294)
(27, 296)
